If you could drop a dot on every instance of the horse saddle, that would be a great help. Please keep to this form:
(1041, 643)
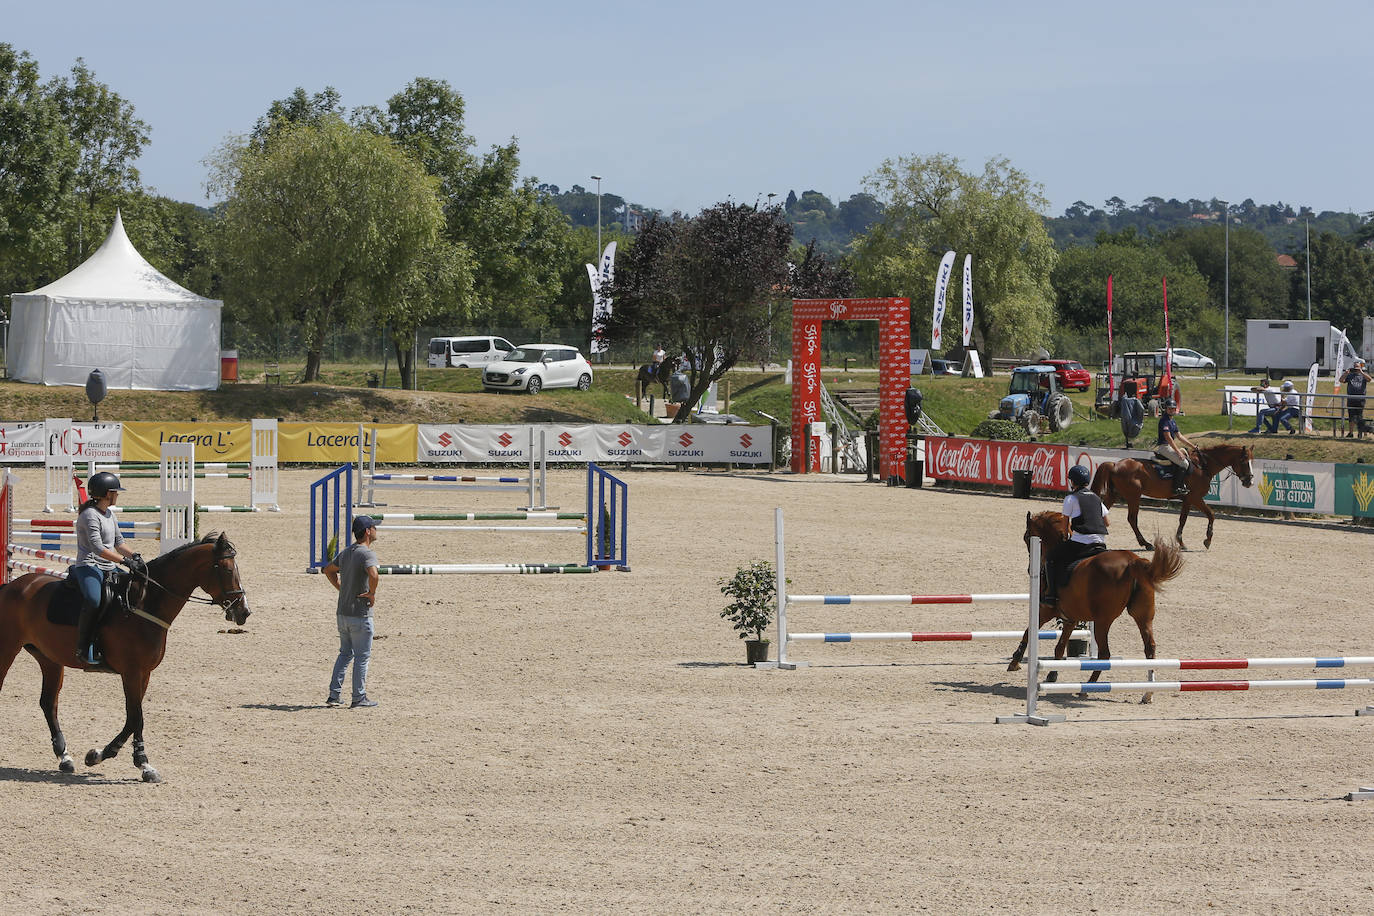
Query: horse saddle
(65, 606)
(1070, 567)
(1167, 470)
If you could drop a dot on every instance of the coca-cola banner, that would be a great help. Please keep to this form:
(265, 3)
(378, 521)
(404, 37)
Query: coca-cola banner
(983, 461)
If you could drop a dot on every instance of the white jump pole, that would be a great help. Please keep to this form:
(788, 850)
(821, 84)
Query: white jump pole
(1032, 651)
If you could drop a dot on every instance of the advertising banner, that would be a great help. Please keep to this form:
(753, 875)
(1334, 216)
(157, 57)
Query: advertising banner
(937, 317)
(23, 442)
(213, 441)
(1354, 490)
(979, 461)
(336, 443)
(1240, 401)
(1290, 486)
(735, 443)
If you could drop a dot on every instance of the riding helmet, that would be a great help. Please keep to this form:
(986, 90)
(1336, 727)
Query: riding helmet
(102, 483)
(1079, 476)
(1167, 403)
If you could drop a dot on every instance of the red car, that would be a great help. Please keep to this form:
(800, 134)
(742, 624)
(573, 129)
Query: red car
(1071, 373)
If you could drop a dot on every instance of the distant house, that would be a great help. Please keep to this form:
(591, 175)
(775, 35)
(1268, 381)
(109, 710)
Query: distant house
(1287, 262)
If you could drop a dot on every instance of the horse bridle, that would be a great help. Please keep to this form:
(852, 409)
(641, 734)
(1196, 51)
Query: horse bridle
(237, 594)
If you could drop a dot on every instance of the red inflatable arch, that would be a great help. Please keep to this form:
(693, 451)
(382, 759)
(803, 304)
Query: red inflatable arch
(894, 371)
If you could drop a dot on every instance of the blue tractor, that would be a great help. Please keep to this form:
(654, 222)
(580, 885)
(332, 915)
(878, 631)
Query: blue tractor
(1035, 397)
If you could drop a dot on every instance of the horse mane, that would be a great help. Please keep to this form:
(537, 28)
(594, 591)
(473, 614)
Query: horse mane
(210, 538)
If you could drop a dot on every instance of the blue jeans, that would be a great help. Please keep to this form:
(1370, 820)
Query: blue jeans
(1282, 417)
(355, 645)
(90, 580)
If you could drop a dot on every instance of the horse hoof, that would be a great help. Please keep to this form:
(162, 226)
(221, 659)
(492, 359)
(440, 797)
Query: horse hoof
(66, 765)
(1147, 698)
(1014, 666)
(92, 757)
(150, 774)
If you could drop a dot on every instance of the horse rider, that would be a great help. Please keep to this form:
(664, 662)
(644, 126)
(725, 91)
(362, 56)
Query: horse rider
(99, 546)
(657, 359)
(1088, 524)
(1169, 445)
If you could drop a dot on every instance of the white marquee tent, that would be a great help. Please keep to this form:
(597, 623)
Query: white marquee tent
(115, 313)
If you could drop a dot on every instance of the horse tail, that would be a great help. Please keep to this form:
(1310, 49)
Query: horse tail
(1166, 564)
(1102, 483)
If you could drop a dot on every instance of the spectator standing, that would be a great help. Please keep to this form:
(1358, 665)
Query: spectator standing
(1271, 400)
(1290, 409)
(1356, 381)
(354, 574)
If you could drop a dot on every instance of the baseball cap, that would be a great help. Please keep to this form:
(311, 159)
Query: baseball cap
(361, 523)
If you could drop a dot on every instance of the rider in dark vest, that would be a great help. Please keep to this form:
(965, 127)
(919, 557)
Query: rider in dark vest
(1088, 524)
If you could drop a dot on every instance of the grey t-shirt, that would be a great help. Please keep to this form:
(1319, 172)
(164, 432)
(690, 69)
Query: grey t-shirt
(353, 562)
(96, 530)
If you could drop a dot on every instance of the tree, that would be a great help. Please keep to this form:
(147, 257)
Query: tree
(510, 234)
(1342, 281)
(37, 169)
(109, 137)
(708, 286)
(931, 205)
(322, 220)
(1080, 283)
(1258, 285)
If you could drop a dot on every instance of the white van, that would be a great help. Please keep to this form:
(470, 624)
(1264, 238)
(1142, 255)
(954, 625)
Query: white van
(466, 352)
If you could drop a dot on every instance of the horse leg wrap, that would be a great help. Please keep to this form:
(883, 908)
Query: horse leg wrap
(140, 756)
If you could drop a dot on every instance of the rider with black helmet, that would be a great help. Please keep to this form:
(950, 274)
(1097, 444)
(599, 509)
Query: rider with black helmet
(1169, 445)
(1088, 526)
(99, 546)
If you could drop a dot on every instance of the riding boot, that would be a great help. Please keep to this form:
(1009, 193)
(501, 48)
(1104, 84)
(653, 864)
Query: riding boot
(1181, 485)
(85, 647)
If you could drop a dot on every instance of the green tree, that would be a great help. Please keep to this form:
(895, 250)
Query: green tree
(512, 236)
(1342, 282)
(931, 205)
(322, 220)
(110, 139)
(1258, 285)
(1080, 283)
(706, 286)
(37, 169)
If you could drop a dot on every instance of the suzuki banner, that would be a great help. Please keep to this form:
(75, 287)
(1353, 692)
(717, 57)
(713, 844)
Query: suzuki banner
(737, 444)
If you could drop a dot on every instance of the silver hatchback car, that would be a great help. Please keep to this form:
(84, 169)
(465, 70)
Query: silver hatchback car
(534, 367)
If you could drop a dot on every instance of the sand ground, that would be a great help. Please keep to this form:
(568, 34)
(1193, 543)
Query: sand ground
(593, 744)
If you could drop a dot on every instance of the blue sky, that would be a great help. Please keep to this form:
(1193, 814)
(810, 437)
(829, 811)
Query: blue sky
(679, 106)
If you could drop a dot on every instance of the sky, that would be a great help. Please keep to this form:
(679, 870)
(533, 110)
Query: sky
(679, 106)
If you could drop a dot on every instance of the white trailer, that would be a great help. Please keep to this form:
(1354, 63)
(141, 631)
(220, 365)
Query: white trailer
(1288, 346)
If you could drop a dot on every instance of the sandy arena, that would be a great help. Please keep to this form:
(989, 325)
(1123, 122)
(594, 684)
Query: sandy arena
(583, 744)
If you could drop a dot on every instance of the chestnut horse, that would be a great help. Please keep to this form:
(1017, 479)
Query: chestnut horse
(1130, 479)
(134, 641)
(1100, 588)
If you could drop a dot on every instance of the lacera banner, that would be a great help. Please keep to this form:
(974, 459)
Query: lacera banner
(737, 444)
(336, 443)
(213, 441)
(984, 461)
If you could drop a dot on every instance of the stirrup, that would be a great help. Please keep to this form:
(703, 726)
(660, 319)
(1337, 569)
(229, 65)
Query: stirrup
(91, 656)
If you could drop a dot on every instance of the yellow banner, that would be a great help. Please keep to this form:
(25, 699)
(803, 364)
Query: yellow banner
(214, 441)
(336, 443)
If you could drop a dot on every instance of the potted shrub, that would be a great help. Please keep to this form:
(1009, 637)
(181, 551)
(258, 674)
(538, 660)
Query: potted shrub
(754, 589)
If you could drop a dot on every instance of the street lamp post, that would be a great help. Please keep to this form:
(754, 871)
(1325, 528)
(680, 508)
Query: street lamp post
(597, 179)
(1226, 349)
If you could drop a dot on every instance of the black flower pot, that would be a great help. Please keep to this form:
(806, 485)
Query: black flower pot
(755, 650)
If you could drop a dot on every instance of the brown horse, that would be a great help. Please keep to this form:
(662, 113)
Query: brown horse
(1130, 479)
(1101, 587)
(134, 641)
